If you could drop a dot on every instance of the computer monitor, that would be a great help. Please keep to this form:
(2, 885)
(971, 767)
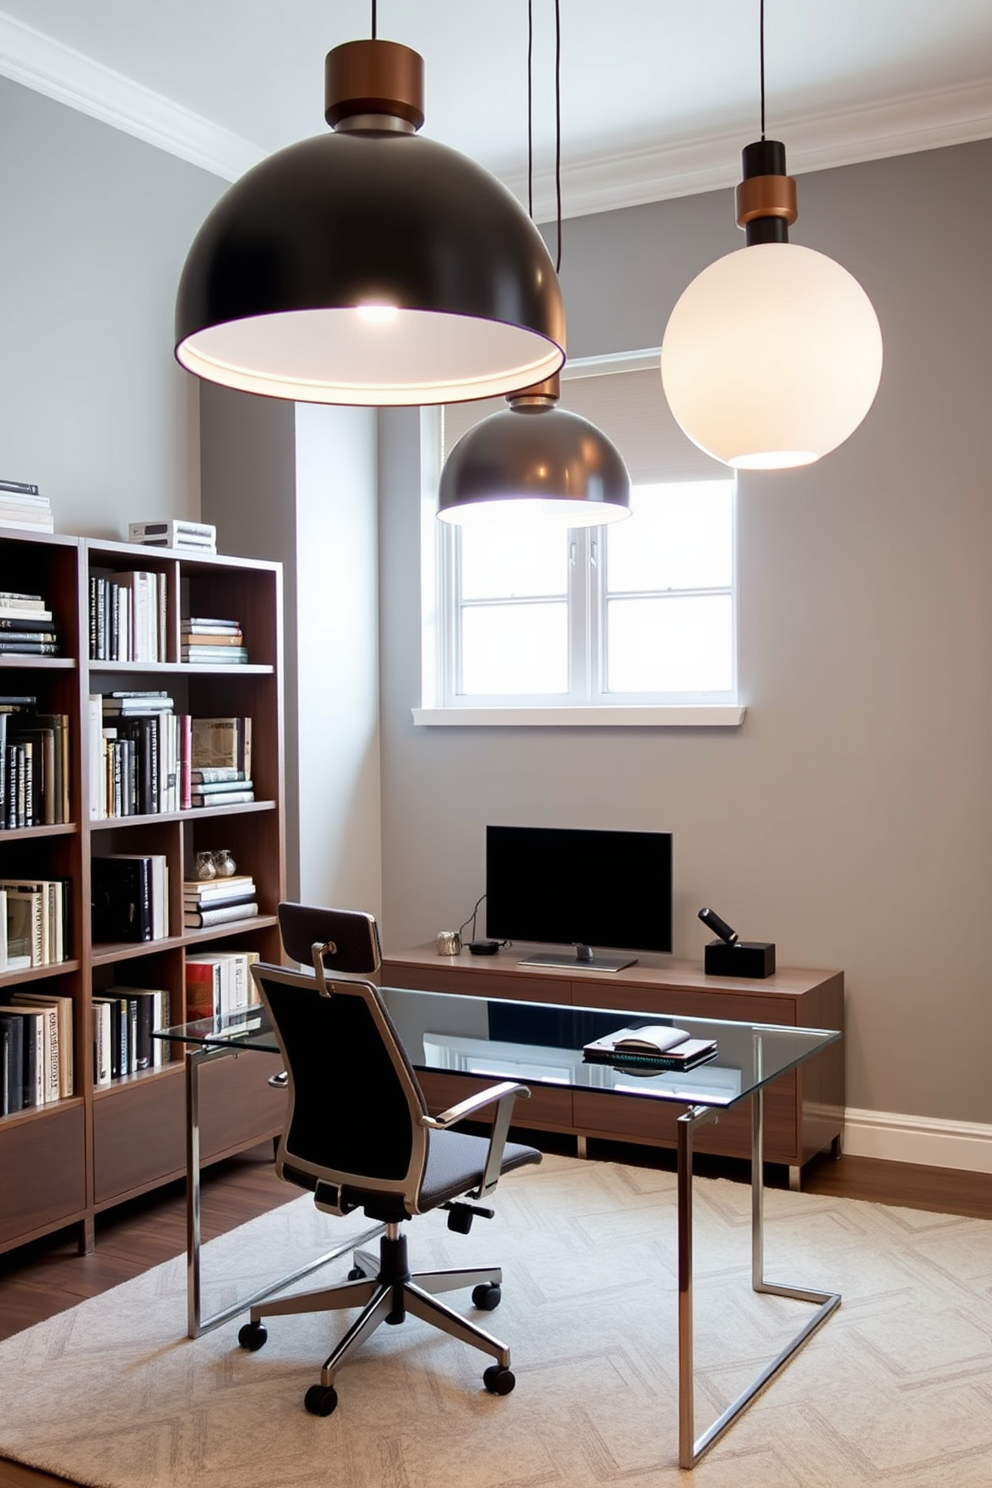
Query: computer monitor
(584, 888)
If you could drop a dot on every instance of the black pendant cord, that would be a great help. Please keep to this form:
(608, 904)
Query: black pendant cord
(530, 109)
(375, 23)
(530, 122)
(761, 53)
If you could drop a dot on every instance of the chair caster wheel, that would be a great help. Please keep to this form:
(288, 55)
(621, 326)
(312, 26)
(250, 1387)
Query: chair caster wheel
(487, 1296)
(356, 1274)
(252, 1336)
(499, 1381)
(320, 1400)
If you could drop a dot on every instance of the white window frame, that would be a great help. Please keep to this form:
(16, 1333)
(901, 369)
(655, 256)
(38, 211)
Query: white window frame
(439, 605)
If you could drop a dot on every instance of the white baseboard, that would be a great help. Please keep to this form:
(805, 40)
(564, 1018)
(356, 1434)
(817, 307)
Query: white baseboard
(918, 1139)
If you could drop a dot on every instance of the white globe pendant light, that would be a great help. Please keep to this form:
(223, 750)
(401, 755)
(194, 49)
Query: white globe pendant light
(772, 356)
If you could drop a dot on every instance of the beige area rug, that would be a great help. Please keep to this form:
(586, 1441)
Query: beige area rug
(896, 1389)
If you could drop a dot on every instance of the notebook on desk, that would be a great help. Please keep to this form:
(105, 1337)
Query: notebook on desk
(655, 1044)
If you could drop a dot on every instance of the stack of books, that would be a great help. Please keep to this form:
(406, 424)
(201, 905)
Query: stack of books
(176, 532)
(218, 982)
(137, 753)
(213, 642)
(26, 626)
(123, 1021)
(218, 901)
(34, 922)
(219, 785)
(34, 765)
(128, 616)
(22, 505)
(36, 1062)
(652, 1046)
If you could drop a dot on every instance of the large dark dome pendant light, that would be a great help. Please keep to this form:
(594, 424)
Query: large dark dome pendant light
(370, 266)
(559, 465)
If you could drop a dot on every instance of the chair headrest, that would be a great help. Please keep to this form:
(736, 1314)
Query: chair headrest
(353, 934)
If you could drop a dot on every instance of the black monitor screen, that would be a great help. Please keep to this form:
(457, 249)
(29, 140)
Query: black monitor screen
(568, 886)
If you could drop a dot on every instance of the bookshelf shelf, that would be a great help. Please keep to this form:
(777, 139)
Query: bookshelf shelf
(64, 1161)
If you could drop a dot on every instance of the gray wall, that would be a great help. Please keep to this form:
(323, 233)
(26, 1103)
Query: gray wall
(849, 818)
(93, 406)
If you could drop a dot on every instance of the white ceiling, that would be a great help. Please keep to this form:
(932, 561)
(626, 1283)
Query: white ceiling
(657, 97)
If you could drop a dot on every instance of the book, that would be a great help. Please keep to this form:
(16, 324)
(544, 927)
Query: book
(44, 1018)
(203, 987)
(221, 741)
(13, 610)
(119, 1029)
(32, 1038)
(11, 1063)
(215, 775)
(25, 488)
(212, 633)
(221, 788)
(209, 655)
(122, 897)
(100, 1012)
(199, 919)
(231, 798)
(199, 889)
(63, 1050)
(166, 530)
(658, 1045)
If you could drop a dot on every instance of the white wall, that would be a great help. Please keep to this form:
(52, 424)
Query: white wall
(850, 818)
(338, 641)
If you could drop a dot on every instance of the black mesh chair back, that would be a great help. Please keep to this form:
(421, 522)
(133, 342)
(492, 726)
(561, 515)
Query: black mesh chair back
(354, 1102)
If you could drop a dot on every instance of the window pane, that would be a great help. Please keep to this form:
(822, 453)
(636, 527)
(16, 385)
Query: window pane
(510, 649)
(682, 644)
(513, 560)
(679, 537)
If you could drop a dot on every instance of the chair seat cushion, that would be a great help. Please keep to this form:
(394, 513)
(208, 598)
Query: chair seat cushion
(456, 1161)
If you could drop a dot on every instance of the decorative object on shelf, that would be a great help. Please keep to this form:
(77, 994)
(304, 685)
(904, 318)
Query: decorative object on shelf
(224, 864)
(534, 457)
(773, 354)
(175, 532)
(204, 866)
(370, 266)
(23, 506)
(449, 943)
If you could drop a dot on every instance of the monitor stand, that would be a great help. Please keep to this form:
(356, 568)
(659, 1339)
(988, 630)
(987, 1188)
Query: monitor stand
(585, 959)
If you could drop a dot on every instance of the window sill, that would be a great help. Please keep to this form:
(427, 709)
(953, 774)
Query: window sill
(707, 715)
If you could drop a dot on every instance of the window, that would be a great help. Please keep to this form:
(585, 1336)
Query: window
(635, 617)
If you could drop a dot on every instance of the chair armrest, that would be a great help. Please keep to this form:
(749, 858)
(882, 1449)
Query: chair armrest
(503, 1096)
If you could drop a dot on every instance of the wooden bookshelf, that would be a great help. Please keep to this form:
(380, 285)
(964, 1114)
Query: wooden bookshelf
(63, 1162)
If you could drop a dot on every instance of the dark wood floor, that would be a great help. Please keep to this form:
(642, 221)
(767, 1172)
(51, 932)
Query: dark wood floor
(49, 1276)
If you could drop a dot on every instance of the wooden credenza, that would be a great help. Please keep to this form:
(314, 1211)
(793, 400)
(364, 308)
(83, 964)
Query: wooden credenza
(804, 1110)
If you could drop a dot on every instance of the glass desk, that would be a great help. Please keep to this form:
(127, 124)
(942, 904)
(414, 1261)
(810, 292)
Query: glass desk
(541, 1044)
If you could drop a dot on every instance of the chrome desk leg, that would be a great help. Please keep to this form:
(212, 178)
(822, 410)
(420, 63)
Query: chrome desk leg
(690, 1448)
(196, 1323)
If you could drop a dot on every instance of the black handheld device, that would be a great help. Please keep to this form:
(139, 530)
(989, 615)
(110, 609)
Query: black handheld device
(713, 922)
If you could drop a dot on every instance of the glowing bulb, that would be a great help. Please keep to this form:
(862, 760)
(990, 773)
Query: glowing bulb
(377, 314)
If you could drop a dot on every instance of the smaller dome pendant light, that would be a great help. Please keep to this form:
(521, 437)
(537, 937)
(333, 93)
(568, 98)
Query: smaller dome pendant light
(533, 457)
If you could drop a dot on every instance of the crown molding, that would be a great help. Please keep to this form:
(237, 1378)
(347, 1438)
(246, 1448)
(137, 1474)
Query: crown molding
(45, 65)
(627, 178)
(630, 178)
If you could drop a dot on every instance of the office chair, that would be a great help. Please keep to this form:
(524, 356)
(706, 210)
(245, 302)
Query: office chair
(358, 1135)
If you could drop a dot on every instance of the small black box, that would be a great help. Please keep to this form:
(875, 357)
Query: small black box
(745, 958)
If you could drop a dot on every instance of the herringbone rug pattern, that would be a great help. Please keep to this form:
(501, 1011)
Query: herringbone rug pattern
(895, 1390)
